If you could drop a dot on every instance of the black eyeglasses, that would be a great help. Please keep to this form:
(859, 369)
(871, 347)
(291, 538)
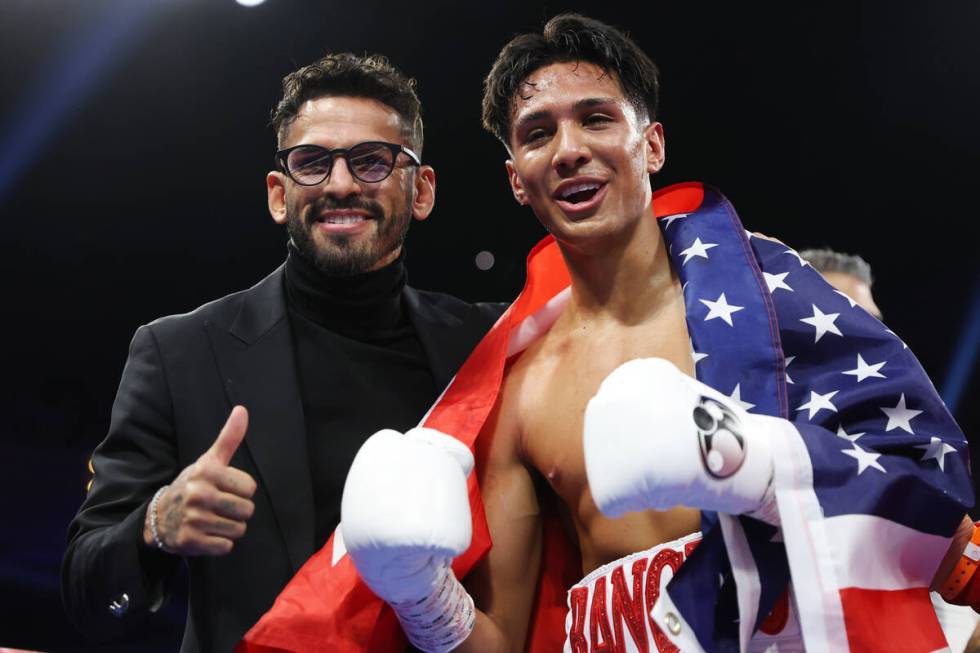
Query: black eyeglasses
(371, 162)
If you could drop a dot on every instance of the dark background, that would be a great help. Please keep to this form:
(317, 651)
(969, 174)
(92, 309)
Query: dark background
(134, 141)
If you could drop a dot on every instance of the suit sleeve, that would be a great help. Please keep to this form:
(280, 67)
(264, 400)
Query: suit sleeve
(110, 579)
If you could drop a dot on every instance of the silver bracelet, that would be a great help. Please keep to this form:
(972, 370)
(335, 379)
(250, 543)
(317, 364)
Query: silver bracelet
(153, 518)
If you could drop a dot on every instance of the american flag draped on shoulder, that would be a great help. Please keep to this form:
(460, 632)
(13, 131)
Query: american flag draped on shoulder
(871, 476)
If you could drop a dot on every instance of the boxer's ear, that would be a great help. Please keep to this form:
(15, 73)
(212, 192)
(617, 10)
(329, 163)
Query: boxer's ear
(656, 147)
(516, 185)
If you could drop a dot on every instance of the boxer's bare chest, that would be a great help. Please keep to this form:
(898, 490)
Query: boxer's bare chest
(559, 378)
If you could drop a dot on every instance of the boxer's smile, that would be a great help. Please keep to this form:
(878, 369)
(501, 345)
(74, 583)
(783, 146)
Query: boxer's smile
(581, 154)
(580, 197)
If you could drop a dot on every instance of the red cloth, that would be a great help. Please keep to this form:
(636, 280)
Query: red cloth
(326, 607)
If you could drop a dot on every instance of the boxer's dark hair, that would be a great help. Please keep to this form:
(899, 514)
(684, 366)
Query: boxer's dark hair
(568, 37)
(349, 75)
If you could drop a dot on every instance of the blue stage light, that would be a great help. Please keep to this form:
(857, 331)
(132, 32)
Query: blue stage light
(965, 355)
(63, 85)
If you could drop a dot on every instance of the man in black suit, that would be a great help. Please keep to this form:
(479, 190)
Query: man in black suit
(235, 424)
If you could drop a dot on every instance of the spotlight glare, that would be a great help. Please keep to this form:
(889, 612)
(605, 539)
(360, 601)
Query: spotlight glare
(250, 3)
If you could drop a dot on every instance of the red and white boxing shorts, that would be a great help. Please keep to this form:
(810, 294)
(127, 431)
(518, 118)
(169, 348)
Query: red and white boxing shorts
(609, 610)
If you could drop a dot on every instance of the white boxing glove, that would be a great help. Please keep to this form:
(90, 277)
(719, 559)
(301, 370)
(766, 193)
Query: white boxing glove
(656, 438)
(405, 515)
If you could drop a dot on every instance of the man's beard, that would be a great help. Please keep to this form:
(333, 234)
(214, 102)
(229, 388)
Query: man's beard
(346, 255)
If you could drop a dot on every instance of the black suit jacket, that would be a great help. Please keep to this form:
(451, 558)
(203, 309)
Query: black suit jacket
(183, 375)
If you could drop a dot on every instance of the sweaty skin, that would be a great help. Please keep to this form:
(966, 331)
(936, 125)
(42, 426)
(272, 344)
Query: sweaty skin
(572, 128)
(575, 128)
(547, 390)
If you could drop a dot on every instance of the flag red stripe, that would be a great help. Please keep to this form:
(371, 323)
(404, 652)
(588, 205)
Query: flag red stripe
(891, 620)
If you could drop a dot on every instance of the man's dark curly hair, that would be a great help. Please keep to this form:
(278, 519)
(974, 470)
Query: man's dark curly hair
(349, 75)
(568, 37)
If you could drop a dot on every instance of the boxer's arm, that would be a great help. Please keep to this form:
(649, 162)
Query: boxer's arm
(503, 584)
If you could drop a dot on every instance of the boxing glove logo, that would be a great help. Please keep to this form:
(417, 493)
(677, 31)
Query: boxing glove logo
(720, 437)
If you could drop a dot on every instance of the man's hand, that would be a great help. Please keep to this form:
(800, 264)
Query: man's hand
(205, 509)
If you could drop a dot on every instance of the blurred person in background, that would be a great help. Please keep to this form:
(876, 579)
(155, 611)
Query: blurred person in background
(851, 275)
(848, 273)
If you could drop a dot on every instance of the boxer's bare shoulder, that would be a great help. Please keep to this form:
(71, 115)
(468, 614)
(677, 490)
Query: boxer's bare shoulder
(553, 382)
(536, 429)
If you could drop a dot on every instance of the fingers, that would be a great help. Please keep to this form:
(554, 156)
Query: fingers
(235, 481)
(204, 520)
(230, 437)
(215, 546)
(205, 509)
(209, 545)
(208, 477)
(206, 525)
(203, 500)
(232, 507)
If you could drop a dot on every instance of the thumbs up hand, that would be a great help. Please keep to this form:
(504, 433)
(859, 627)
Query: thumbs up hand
(205, 509)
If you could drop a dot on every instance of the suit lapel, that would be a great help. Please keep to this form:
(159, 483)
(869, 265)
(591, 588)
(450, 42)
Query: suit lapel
(446, 338)
(256, 356)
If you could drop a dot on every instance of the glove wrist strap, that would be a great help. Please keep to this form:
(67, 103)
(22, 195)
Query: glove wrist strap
(768, 510)
(441, 621)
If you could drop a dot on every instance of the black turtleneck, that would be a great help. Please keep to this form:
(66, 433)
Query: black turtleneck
(361, 368)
